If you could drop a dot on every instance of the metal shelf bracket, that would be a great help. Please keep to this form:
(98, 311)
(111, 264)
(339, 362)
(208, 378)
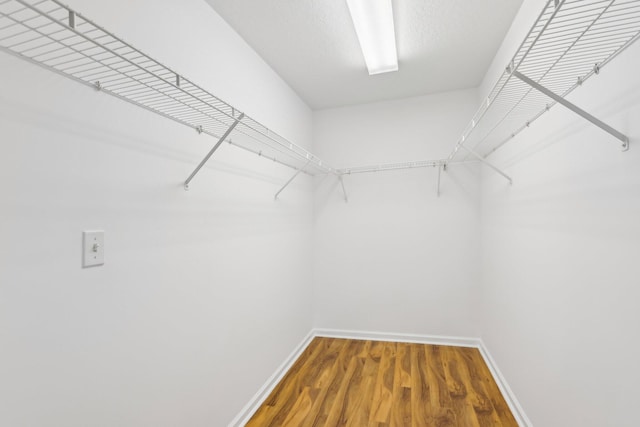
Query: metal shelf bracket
(344, 191)
(487, 163)
(52, 35)
(213, 150)
(574, 108)
(291, 179)
(440, 167)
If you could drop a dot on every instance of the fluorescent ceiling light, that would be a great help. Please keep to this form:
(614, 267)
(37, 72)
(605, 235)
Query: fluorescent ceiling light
(373, 20)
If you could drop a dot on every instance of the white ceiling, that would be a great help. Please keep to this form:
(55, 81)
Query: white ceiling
(442, 45)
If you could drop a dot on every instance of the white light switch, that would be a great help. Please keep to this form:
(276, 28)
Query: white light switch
(92, 248)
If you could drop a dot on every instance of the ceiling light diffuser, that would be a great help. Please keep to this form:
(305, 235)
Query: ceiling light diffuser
(373, 20)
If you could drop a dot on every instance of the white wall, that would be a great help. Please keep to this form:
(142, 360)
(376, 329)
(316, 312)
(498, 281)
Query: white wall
(560, 247)
(203, 285)
(396, 258)
(203, 294)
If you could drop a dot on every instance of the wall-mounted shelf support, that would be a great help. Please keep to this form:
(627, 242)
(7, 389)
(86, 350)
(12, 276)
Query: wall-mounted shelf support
(440, 166)
(569, 42)
(344, 191)
(58, 38)
(574, 108)
(486, 162)
(291, 179)
(213, 150)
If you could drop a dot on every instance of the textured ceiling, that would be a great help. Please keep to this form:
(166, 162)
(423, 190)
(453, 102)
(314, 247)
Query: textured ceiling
(442, 45)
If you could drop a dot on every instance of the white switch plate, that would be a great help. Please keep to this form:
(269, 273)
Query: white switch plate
(92, 248)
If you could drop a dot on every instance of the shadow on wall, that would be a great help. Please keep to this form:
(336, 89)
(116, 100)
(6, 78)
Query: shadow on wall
(66, 124)
(326, 187)
(128, 175)
(571, 179)
(622, 101)
(399, 186)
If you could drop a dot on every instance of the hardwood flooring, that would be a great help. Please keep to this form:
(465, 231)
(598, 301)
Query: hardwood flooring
(341, 382)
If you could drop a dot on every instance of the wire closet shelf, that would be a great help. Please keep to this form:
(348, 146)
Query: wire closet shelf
(570, 41)
(52, 35)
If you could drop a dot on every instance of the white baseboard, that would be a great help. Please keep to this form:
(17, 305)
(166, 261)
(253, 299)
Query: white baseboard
(397, 337)
(250, 408)
(514, 405)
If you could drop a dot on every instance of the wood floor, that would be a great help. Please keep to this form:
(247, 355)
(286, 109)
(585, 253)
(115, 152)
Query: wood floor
(340, 382)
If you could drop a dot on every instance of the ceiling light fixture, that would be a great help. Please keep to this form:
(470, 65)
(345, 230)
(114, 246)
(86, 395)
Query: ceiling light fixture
(373, 20)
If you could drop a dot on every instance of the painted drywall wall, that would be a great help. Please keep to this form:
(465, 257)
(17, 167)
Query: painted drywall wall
(396, 258)
(203, 293)
(560, 254)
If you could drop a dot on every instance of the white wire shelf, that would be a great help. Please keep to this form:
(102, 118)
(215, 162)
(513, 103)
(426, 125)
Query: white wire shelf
(385, 167)
(570, 41)
(56, 37)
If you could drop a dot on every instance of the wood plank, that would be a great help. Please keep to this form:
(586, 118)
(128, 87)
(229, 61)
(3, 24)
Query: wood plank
(305, 377)
(321, 408)
(477, 396)
(420, 404)
(299, 410)
(499, 404)
(401, 394)
(337, 414)
(331, 395)
(352, 398)
(364, 353)
(462, 407)
(376, 349)
(362, 404)
(382, 397)
(404, 357)
(342, 382)
(444, 416)
(283, 397)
